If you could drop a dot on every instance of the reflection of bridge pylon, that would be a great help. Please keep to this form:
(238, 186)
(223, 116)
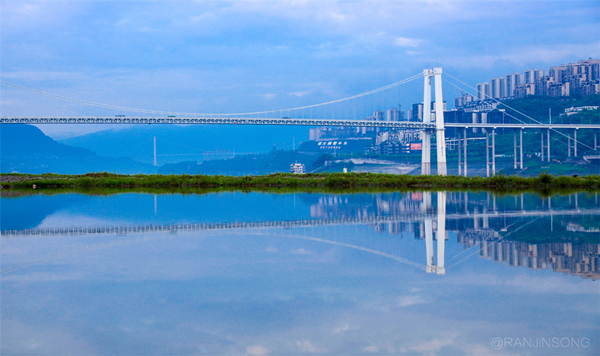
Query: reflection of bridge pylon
(440, 234)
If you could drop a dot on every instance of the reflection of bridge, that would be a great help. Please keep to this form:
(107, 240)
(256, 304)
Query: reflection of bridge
(433, 219)
(415, 217)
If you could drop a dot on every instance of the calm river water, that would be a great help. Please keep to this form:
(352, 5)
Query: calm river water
(420, 273)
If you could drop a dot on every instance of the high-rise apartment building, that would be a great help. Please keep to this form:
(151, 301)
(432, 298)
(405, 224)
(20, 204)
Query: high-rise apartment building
(512, 80)
(463, 100)
(558, 73)
(532, 75)
(480, 91)
(502, 87)
(484, 91)
(394, 114)
(495, 87)
(417, 112)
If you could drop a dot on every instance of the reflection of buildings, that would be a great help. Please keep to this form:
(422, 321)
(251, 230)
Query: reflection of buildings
(487, 221)
(576, 259)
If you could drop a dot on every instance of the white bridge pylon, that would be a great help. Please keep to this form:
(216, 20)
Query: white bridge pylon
(440, 136)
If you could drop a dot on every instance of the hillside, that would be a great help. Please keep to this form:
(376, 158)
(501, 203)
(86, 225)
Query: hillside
(272, 162)
(183, 143)
(538, 108)
(25, 148)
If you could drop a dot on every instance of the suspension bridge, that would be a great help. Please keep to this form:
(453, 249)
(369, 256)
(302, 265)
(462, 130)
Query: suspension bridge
(350, 112)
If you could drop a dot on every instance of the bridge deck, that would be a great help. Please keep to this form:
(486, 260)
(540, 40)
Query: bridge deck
(275, 121)
(215, 121)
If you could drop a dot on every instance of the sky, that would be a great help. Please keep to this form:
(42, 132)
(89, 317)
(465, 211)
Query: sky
(240, 56)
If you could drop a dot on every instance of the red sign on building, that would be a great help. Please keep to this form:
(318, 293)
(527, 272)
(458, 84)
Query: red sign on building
(415, 146)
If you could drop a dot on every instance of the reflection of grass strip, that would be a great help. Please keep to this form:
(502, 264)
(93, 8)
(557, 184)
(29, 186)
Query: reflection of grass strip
(544, 183)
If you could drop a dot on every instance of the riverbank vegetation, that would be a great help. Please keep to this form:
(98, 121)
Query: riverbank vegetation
(336, 181)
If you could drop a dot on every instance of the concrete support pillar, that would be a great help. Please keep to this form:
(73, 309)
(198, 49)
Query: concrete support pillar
(521, 148)
(440, 133)
(542, 147)
(515, 148)
(459, 151)
(518, 149)
(425, 153)
(465, 151)
(548, 144)
(490, 152)
(462, 153)
(575, 143)
(487, 154)
(595, 140)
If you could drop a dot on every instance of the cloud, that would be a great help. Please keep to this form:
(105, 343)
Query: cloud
(410, 300)
(300, 94)
(371, 348)
(21, 338)
(269, 96)
(523, 56)
(342, 329)
(553, 284)
(307, 346)
(300, 251)
(257, 350)
(407, 42)
(206, 17)
(432, 347)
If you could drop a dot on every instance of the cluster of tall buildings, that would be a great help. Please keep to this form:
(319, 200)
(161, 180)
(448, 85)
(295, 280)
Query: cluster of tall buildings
(581, 78)
(327, 139)
(325, 132)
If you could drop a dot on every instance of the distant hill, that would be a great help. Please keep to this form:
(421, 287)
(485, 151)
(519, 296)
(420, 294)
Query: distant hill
(25, 149)
(272, 162)
(186, 143)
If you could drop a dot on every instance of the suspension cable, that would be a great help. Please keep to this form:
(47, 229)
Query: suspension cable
(515, 110)
(145, 111)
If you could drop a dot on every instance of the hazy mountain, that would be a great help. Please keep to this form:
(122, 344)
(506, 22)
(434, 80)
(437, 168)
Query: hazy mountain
(272, 162)
(184, 143)
(25, 149)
